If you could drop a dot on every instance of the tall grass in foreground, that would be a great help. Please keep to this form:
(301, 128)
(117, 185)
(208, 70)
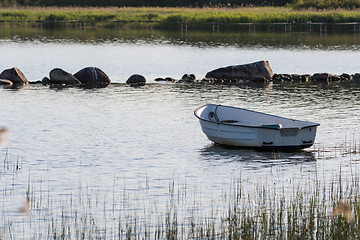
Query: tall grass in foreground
(302, 216)
(314, 210)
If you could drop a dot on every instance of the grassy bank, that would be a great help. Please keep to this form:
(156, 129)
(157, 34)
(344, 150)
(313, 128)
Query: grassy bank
(163, 17)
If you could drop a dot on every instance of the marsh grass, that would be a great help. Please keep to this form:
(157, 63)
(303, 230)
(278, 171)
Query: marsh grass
(313, 208)
(10, 163)
(169, 17)
(304, 213)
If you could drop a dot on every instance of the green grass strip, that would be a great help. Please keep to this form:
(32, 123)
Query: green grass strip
(177, 15)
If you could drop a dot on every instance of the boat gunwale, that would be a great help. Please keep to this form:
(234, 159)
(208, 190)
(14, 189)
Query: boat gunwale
(312, 124)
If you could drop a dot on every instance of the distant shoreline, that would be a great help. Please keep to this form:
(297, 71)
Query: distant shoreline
(184, 18)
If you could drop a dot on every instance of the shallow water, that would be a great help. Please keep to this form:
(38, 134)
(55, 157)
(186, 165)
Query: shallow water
(120, 150)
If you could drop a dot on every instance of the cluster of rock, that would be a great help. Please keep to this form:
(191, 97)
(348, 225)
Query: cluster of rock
(257, 72)
(89, 77)
(316, 78)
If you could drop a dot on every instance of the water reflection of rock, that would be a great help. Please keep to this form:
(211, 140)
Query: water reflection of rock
(219, 155)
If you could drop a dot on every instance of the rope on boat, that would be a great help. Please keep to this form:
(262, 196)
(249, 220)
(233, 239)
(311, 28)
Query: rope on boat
(214, 114)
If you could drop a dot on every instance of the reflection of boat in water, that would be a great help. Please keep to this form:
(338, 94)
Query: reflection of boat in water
(244, 128)
(219, 154)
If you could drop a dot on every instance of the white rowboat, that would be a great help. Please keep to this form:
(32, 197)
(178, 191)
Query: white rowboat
(245, 128)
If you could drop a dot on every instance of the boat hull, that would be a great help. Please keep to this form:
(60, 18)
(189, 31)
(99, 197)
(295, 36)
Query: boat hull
(268, 135)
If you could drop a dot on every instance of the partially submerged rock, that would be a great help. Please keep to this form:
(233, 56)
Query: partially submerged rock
(321, 77)
(170, 79)
(136, 80)
(92, 77)
(188, 78)
(46, 81)
(256, 70)
(159, 80)
(356, 76)
(14, 75)
(346, 77)
(279, 78)
(59, 76)
(167, 79)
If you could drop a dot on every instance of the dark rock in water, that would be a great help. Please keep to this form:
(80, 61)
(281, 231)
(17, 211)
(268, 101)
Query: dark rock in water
(188, 78)
(14, 75)
(136, 80)
(46, 81)
(250, 71)
(305, 77)
(320, 77)
(356, 76)
(287, 78)
(36, 82)
(296, 77)
(345, 77)
(5, 83)
(277, 78)
(335, 78)
(59, 76)
(281, 78)
(207, 80)
(92, 77)
(169, 79)
(160, 80)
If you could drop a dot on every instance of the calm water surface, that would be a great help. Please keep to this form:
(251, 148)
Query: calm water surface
(121, 53)
(122, 151)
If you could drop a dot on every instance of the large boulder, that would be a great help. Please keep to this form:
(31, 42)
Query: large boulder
(59, 76)
(92, 77)
(136, 80)
(14, 75)
(256, 70)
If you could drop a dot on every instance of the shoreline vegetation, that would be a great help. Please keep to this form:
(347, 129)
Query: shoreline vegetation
(312, 209)
(170, 18)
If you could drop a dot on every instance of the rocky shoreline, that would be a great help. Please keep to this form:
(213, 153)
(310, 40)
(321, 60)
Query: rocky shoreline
(238, 75)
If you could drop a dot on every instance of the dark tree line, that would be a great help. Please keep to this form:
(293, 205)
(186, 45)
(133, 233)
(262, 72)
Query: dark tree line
(146, 3)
